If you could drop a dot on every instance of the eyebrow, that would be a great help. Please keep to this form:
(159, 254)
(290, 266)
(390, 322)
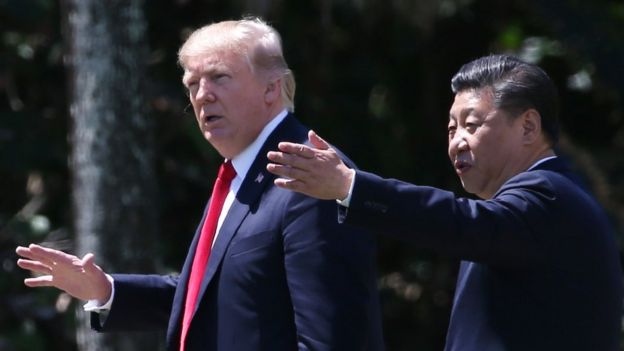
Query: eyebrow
(211, 69)
(464, 112)
(186, 76)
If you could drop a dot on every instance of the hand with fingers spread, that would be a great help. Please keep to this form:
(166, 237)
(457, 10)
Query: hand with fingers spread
(315, 171)
(80, 278)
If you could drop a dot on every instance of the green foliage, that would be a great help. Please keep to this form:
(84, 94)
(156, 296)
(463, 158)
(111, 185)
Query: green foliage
(373, 78)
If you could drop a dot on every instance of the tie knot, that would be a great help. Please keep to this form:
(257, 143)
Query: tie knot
(226, 172)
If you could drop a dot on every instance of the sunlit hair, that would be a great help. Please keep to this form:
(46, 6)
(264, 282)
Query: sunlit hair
(517, 86)
(256, 41)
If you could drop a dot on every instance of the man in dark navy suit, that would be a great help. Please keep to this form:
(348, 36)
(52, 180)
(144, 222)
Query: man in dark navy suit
(268, 269)
(540, 268)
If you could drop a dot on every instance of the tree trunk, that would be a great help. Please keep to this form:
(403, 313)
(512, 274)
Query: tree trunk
(112, 158)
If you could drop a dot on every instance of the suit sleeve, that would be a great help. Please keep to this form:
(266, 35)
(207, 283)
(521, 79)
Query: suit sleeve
(330, 271)
(505, 230)
(141, 303)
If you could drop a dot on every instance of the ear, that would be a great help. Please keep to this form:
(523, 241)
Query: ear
(531, 126)
(273, 91)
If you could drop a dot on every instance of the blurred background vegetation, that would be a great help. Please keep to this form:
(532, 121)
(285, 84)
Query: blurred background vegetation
(373, 77)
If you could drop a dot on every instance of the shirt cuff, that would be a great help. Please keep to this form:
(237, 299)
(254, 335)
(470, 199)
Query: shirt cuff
(347, 200)
(96, 305)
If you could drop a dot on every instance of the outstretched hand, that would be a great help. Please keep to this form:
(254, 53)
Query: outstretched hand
(315, 171)
(80, 278)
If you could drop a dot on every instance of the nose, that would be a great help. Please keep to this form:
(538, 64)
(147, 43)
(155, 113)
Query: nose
(458, 143)
(205, 93)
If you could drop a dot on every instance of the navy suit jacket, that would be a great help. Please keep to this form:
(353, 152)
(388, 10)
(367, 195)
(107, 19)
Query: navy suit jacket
(540, 267)
(282, 275)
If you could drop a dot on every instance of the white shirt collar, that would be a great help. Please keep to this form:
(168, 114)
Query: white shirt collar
(539, 162)
(243, 161)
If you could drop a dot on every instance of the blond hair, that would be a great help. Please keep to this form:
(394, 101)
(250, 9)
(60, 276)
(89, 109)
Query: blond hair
(259, 43)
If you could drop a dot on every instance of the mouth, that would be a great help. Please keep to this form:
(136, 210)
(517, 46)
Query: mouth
(211, 118)
(461, 167)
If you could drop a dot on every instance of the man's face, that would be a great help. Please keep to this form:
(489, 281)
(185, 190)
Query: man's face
(228, 100)
(484, 142)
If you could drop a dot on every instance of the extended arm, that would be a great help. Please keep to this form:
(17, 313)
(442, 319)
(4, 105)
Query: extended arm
(141, 302)
(510, 229)
(502, 230)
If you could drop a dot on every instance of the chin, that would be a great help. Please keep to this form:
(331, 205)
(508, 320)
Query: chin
(228, 151)
(469, 188)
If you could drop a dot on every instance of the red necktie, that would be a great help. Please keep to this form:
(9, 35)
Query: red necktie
(219, 193)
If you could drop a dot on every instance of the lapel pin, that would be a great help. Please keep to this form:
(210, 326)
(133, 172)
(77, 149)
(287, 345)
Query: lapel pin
(259, 178)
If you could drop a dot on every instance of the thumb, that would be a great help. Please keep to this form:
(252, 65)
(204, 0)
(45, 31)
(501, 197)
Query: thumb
(88, 262)
(317, 141)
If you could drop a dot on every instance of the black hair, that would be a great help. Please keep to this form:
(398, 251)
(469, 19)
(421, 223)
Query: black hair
(517, 86)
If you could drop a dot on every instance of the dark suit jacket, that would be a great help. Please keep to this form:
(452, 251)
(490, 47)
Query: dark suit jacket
(540, 269)
(282, 275)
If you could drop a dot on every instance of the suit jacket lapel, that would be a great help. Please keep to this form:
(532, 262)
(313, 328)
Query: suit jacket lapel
(247, 195)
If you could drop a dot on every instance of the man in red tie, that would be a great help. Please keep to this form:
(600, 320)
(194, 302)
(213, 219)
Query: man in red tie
(268, 269)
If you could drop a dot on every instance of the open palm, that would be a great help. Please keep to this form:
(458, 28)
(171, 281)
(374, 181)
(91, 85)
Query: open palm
(80, 278)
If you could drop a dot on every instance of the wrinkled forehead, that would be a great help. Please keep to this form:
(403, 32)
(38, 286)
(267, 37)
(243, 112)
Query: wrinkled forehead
(211, 48)
(216, 60)
(213, 57)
